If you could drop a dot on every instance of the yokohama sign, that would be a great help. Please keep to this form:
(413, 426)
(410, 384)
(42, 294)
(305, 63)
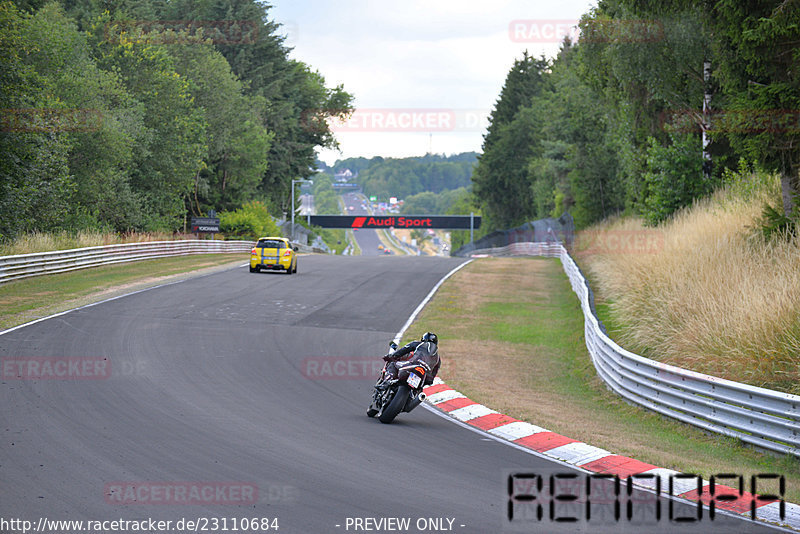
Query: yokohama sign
(399, 221)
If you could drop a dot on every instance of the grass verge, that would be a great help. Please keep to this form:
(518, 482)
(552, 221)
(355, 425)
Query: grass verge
(32, 298)
(511, 336)
(335, 238)
(351, 238)
(705, 290)
(36, 242)
(388, 242)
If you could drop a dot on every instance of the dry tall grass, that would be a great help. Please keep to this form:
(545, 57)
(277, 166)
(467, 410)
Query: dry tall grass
(45, 242)
(713, 296)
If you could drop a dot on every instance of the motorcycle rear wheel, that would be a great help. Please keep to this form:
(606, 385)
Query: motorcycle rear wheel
(396, 405)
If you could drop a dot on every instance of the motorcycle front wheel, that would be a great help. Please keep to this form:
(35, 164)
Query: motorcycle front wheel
(396, 405)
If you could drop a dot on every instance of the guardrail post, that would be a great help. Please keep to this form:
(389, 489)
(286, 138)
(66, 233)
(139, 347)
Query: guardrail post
(471, 227)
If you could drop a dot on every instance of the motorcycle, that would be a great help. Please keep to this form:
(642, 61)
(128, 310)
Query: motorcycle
(401, 394)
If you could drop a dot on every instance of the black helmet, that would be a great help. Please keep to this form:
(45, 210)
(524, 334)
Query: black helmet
(430, 336)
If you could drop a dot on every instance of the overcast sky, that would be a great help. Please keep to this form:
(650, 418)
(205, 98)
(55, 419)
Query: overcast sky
(424, 73)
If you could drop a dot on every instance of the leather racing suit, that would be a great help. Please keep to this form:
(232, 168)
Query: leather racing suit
(411, 354)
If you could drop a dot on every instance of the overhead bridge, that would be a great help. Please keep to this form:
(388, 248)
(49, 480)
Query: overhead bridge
(452, 222)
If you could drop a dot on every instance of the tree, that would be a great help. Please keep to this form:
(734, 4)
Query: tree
(757, 53)
(645, 60)
(108, 121)
(251, 221)
(35, 184)
(116, 117)
(238, 142)
(421, 204)
(549, 176)
(173, 147)
(578, 160)
(672, 177)
(403, 177)
(296, 100)
(500, 180)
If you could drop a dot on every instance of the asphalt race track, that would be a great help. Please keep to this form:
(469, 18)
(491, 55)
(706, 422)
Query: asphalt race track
(257, 381)
(367, 238)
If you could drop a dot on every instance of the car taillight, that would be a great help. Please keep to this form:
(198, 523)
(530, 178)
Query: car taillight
(253, 251)
(287, 253)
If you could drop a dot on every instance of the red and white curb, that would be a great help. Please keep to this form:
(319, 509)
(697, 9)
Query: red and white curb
(597, 460)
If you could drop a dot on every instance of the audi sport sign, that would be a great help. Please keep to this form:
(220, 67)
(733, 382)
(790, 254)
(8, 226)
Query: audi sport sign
(453, 222)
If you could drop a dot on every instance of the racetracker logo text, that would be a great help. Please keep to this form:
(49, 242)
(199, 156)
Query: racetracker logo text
(593, 31)
(345, 368)
(38, 368)
(619, 242)
(397, 120)
(740, 121)
(181, 32)
(171, 493)
(50, 120)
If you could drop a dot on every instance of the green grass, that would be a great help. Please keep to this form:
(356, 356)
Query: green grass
(46, 242)
(335, 238)
(613, 326)
(509, 323)
(542, 323)
(387, 241)
(31, 298)
(709, 293)
(356, 250)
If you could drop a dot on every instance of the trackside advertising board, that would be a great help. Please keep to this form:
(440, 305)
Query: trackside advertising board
(453, 222)
(205, 225)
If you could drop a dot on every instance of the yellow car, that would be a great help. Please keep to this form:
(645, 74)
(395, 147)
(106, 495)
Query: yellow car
(274, 253)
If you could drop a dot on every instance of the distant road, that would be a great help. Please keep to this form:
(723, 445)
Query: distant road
(367, 239)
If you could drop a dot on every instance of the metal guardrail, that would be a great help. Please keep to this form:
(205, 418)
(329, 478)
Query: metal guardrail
(521, 249)
(759, 416)
(27, 265)
(309, 249)
(408, 248)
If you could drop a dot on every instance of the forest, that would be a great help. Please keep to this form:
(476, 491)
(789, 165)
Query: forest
(616, 122)
(403, 177)
(136, 115)
(133, 116)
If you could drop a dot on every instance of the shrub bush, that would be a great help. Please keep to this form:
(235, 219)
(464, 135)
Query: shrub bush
(251, 221)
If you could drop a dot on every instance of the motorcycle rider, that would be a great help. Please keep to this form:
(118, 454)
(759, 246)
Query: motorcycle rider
(409, 356)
